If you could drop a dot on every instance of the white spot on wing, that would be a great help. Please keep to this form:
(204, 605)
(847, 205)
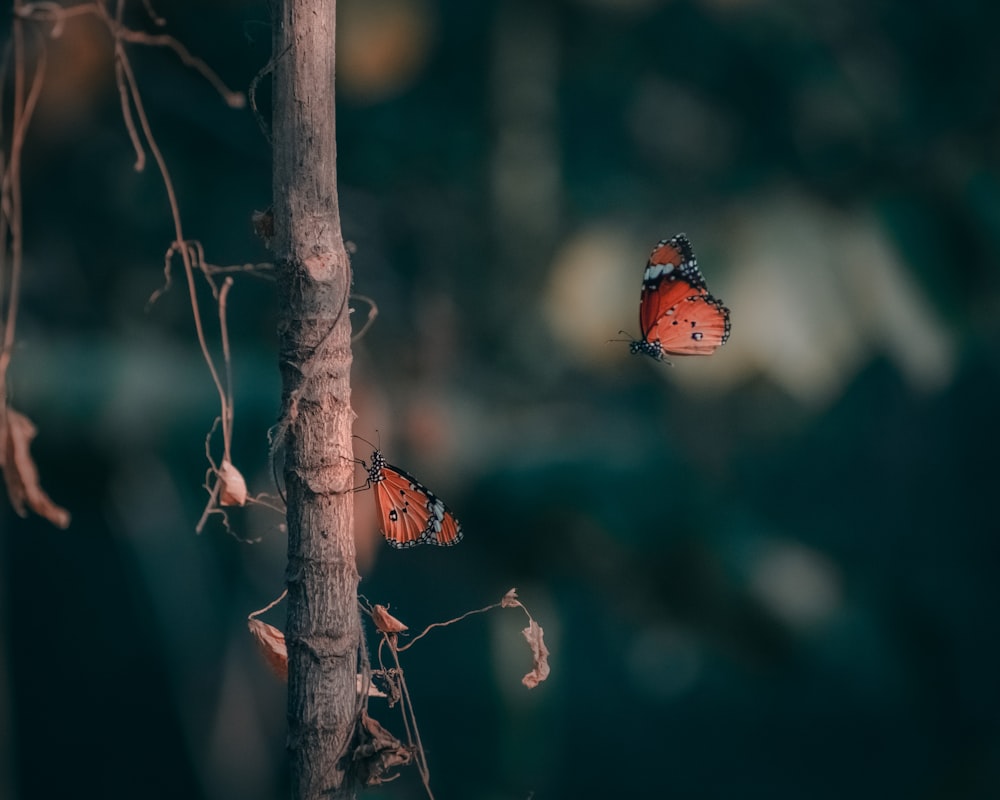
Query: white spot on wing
(654, 271)
(437, 515)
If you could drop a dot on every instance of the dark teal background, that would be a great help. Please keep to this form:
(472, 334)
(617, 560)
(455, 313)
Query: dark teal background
(772, 573)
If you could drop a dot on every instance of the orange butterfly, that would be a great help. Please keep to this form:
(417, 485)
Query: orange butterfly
(409, 513)
(677, 315)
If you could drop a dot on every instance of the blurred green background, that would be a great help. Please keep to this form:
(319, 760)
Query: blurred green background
(771, 573)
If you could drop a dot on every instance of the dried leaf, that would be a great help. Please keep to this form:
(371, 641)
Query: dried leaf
(540, 653)
(377, 752)
(385, 621)
(234, 488)
(263, 225)
(20, 473)
(510, 600)
(271, 644)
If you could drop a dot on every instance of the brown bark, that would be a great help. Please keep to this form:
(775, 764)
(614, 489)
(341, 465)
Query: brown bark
(323, 629)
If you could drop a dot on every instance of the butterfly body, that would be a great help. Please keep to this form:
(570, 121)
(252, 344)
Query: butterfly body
(409, 513)
(677, 315)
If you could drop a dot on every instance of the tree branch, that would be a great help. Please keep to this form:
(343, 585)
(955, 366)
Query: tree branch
(323, 633)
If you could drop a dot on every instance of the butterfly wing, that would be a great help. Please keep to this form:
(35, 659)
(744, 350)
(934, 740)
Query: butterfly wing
(695, 326)
(671, 275)
(409, 513)
(677, 315)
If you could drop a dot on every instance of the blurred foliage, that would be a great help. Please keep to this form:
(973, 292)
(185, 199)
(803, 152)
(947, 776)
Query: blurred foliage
(765, 574)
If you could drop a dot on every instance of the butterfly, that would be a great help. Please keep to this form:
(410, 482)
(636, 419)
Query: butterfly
(677, 315)
(408, 512)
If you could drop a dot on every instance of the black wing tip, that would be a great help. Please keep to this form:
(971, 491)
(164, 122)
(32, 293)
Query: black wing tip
(679, 241)
(686, 270)
(677, 238)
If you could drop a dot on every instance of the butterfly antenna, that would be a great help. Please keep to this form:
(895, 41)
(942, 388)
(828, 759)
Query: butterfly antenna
(363, 439)
(622, 333)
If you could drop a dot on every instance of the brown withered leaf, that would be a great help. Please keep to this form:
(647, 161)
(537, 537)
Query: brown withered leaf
(20, 473)
(271, 644)
(540, 653)
(233, 486)
(385, 621)
(377, 752)
(263, 225)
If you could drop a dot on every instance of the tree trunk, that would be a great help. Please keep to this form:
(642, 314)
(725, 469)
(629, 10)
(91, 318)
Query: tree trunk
(323, 629)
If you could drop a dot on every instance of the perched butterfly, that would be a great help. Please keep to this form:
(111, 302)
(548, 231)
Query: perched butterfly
(408, 512)
(677, 315)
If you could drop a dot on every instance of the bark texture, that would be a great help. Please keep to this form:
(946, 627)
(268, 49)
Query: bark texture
(323, 627)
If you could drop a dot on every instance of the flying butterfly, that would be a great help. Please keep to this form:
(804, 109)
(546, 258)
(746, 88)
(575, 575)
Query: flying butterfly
(408, 512)
(677, 315)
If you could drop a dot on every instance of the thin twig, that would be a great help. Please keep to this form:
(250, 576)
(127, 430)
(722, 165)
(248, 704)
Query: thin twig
(133, 134)
(406, 705)
(263, 271)
(56, 14)
(175, 214)
(427, 630)
(24, 107)
(255, 270)
(266, 503)
(197, 252)
(156, 18)
(137, 125)
(232, 99)
(4, 219)
(269, 606)
(372, 313)
(228, 409)
(213, 491)
(210, 507)
(252, 92)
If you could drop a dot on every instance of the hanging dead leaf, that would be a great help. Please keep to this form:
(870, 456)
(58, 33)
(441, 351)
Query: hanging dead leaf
(20, 473)
(271, 644)
(510, 600)
(385, 621)
(263, 225)
(540, 653)
(233, 487)
(377, 752)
